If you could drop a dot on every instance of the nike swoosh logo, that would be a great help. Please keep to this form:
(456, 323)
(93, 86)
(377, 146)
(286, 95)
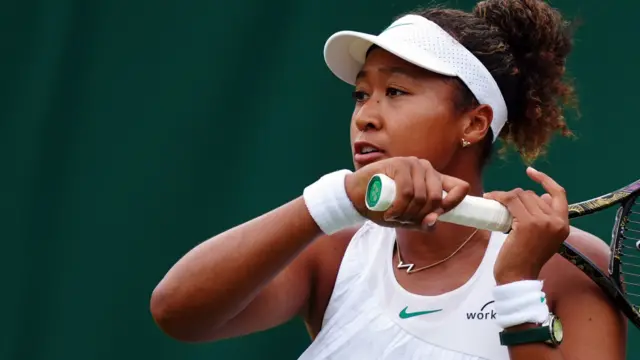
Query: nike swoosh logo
(405, 315)
(396, 25)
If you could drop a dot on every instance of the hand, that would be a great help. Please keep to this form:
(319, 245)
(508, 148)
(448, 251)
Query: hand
(540, 225)
(419, 188)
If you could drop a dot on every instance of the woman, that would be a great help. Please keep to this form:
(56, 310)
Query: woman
(432, 93)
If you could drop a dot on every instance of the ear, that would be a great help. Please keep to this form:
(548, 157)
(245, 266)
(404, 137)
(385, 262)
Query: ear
(477, 124)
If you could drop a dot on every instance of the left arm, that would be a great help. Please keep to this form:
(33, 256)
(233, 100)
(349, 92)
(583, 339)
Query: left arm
(593, 328)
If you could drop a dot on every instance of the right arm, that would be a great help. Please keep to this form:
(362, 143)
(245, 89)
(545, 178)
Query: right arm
(262, 273)
(241, 281)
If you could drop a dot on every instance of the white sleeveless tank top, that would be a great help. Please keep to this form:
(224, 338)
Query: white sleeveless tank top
(370, 316)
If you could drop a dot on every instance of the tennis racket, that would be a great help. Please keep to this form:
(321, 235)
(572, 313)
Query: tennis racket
(621, 284)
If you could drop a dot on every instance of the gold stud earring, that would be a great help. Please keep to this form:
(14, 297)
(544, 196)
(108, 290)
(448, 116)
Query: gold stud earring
(465, 143)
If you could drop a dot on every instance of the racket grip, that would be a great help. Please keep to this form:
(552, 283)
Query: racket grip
(473, 211)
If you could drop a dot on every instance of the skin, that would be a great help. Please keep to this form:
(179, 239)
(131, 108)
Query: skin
(215, 291)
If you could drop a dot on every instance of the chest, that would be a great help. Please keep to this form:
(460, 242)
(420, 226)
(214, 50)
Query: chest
(374, 313)
(386, 326)
(440, 279)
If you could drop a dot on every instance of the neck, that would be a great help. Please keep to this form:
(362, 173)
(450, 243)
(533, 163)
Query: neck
(424, 247)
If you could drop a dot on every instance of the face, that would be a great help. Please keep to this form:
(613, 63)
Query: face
(403, 110)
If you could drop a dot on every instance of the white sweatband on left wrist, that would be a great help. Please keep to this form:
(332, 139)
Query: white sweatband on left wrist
(519, 303)
(329, 205)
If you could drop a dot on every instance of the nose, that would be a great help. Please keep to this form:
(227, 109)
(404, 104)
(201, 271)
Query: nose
(368, 116)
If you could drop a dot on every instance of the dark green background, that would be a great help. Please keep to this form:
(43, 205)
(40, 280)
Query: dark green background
(132, 130)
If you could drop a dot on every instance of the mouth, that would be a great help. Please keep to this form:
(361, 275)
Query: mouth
(366, 153)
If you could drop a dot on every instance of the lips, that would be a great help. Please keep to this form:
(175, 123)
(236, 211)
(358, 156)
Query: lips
(366, 153)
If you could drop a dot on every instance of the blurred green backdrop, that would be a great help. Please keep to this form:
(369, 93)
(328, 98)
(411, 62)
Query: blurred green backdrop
(132, 130)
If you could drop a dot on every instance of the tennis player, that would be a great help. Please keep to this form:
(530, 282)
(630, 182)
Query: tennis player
(433, 92)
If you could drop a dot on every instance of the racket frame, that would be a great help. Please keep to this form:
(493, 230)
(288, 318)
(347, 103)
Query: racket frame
(609, 283)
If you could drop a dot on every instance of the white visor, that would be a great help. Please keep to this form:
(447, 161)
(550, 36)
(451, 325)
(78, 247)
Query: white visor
(422, 43)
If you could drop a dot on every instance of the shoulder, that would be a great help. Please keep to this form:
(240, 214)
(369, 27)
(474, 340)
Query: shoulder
(588, 315)
(591, 246)
(561, 276)
(327, 252)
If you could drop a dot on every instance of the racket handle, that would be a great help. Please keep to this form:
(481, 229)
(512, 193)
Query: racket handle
(473, 211)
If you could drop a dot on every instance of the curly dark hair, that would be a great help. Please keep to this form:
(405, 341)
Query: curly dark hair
(524, 45)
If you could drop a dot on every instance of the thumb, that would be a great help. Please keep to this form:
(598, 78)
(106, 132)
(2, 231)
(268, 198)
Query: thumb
(493, 195)
(500, 196)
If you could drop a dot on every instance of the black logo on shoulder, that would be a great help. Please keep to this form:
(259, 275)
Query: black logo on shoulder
(486, 313)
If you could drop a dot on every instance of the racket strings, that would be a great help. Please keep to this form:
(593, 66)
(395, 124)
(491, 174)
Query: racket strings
(625, 246)
(633, 230)
(629, 253)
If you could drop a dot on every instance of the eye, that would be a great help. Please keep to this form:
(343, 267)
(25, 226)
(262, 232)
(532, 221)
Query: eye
(359, 96)
(395, 92)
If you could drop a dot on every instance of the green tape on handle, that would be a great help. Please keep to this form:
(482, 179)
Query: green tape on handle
(381, 191)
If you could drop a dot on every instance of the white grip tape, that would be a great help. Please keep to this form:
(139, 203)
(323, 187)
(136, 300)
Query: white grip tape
(479, 213)
(473, 211)
(519, 303)
(329, 205)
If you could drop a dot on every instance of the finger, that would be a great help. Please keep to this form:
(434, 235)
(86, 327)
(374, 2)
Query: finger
(414, 211)
(545, 201)
(558, 195)
(456, 191)
(404, 193)
(429, 220)
(511, 201)
(534, 205)
(433, 208)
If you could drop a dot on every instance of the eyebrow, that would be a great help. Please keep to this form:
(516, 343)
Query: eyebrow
(389, 70)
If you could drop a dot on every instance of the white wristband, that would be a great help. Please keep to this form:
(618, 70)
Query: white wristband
(329, 205)
(519, 303)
